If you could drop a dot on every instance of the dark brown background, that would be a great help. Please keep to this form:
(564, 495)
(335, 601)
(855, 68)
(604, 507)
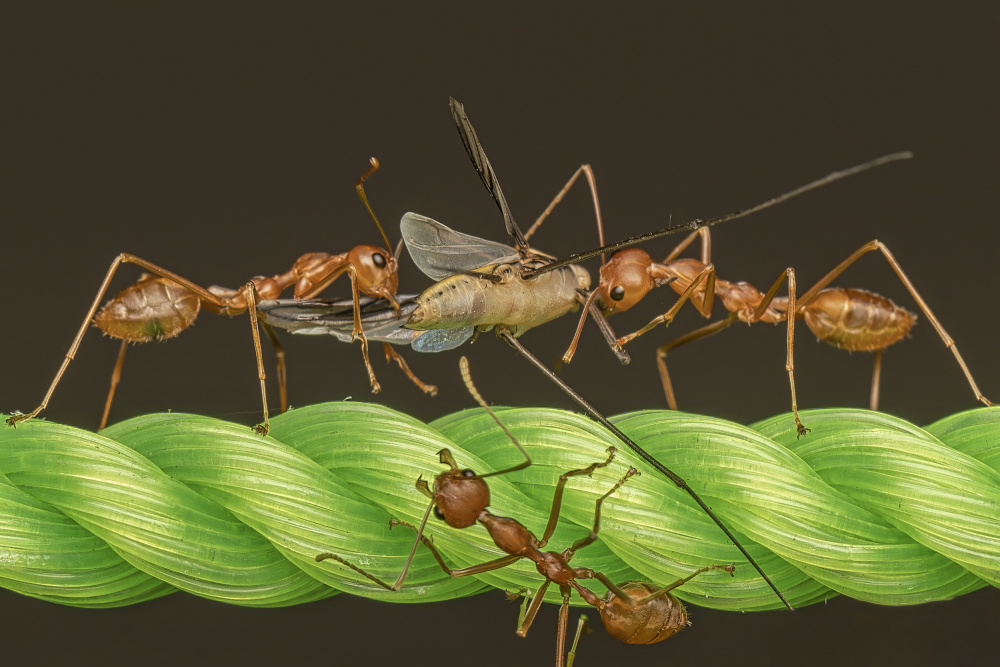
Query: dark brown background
(223, 140)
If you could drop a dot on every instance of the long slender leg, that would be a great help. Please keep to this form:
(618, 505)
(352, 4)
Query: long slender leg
(706, 246)
(589, 173)
(391, 355)
(123, 258)
(359, 333)
(661, 353)
(786, 275)
(528, 617)
(252, 297)
(730, 568)
(706, 276)
(876, 381)
(550, 527)
(640, 452)
(279, 355)
(116, 376)
(488, 566)
(592, 537)
(561, 628)
(878, 245)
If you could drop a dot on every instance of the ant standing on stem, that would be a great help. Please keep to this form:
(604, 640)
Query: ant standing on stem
(633, 612)
(162, 305)
(850, 319)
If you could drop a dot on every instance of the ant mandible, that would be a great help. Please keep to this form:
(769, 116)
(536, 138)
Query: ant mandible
(633, 612)
(162, 304)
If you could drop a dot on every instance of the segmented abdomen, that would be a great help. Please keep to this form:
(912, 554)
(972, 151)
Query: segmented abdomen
(152, 309)
(857, 320)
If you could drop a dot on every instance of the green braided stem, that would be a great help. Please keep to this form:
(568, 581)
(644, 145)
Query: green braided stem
(866, 505)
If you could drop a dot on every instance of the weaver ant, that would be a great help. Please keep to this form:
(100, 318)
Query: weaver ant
(162, 304)
(850, 319)
(633, 612)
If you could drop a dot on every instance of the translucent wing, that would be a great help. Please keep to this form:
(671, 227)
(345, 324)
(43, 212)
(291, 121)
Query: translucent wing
(440, 252)
(321, 317)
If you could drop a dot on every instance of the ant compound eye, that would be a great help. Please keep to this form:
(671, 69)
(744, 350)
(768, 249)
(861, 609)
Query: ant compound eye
(438, 513)
(378, 260)
(618, 293)
(468, 473)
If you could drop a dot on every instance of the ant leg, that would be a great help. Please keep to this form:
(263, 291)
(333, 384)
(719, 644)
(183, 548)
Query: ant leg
(526, 618)
(561, 486)
(358, 333)
(586, 170)
(878, 245)
(590, 539)
(876, 380)
(488, 566)
(730, 568)
(279, 354)
(116, 376)
(252, 297)
(123, 258)
(661, 353)
(706, 246)
(561, 627)
(391, 355)
(581, 628)
(371, 577)
(707, 276)
(789, 275)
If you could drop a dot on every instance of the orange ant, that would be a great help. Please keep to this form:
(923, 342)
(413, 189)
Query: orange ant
(162, 305)
(633, 612)
(851, 319)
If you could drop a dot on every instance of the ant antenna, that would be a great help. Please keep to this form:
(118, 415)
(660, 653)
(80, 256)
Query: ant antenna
(360, 187)
(463, 365)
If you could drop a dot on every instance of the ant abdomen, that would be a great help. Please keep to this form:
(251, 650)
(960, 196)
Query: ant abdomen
(635, 622)
(152, 309)
(856, 319)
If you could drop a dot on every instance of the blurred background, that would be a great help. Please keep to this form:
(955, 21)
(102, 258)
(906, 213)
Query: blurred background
(223, 140)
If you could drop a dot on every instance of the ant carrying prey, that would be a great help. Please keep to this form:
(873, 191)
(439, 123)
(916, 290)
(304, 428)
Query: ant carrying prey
(633, 612)
(163, 304)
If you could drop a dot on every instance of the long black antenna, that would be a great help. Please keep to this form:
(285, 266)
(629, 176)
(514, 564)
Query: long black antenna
(642, 453)
(698, 223)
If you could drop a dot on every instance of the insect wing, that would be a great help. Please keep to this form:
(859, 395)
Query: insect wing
(441, 252)
(439, 340)
(318, 317)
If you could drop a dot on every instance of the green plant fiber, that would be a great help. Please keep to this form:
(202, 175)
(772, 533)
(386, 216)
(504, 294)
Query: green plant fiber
(867, 505)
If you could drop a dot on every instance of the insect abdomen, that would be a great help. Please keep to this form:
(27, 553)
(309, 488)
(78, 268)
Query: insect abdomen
(152, 309)
(857, 320)
(465, 300)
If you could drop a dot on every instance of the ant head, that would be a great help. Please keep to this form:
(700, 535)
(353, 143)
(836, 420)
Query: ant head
(460, 496)
(625, 279)
(640, 621)
(376, 270)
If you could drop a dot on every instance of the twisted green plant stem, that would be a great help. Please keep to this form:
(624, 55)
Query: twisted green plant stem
(867, 505)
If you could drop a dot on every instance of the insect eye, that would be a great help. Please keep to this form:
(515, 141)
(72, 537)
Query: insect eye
(468, 473)
(378, 260)
(438, 513)
(618, 293)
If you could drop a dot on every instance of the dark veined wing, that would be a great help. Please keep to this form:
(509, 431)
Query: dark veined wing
(322, 317)
(440, 252)
(486, 173)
